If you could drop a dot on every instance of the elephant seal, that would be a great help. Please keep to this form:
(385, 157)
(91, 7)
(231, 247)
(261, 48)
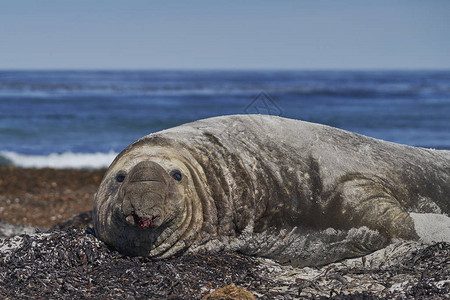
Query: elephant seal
(302, 193)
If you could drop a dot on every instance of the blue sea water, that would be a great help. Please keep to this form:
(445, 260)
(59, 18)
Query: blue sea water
(84, 118)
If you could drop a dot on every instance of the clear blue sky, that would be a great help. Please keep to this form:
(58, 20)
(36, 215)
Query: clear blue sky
(215, 34)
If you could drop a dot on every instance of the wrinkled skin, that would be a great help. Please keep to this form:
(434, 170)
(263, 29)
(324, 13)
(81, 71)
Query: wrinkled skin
(146, 205)
(270, 182)
(145, 194)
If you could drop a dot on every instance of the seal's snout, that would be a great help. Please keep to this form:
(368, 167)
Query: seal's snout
(143, 193)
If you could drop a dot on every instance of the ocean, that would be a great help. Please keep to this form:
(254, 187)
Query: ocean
(82, 119)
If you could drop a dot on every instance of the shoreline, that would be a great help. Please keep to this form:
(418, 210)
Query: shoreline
(46, 197)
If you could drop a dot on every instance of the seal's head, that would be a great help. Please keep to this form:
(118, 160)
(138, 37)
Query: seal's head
(149, 195)
(145, 203)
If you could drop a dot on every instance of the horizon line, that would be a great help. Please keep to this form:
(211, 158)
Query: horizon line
(222, 69)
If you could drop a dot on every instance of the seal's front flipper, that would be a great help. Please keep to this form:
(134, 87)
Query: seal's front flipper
(302, 247)
(359, 201)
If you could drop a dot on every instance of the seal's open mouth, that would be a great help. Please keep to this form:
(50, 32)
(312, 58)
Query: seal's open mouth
(144, 222)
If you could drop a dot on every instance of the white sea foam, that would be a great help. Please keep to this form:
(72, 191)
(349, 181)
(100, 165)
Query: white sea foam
(67, 160)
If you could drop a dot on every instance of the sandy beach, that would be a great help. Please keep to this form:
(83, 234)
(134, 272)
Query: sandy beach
(45, 197)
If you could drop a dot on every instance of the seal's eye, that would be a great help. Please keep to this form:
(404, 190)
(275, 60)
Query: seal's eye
(120, 177)
(176, 175)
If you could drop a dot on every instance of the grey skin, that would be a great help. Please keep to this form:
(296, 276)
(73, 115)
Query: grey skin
(301, 193)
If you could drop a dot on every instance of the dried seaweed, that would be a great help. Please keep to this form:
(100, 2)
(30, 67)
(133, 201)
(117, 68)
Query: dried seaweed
(73, 263)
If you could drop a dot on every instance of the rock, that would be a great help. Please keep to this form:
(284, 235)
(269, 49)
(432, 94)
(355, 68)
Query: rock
(229, 292)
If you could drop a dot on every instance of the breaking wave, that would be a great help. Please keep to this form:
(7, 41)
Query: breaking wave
(67, 160)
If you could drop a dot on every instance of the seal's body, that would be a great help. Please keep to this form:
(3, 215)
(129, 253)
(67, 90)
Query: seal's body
(275, 180)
